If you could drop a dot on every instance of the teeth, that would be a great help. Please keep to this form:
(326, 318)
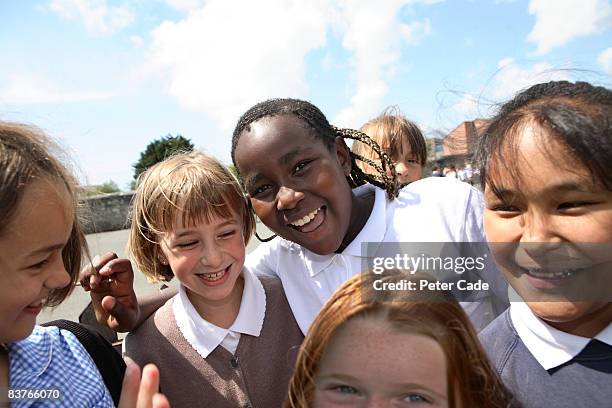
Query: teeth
(212, 276)
(539, 273)
(305, 219)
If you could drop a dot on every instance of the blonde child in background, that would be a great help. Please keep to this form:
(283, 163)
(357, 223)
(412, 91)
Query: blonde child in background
(228, 338)
(401, 139)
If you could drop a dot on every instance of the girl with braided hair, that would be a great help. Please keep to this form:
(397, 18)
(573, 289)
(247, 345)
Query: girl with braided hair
(304, 184)
(546, 166)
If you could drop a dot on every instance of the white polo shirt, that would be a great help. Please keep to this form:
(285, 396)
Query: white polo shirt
(435, 209)
(549, 346)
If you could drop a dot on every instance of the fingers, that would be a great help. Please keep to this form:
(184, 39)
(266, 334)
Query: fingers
(149, 386)
(93, 268)
(118, 266)
(120, 317)
(141, 392)
(160, 401)
(130, 386)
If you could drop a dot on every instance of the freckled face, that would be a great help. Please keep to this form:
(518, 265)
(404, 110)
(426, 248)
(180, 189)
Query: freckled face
(370, 364)
(296, 183)
(31, 262)
(551, 232)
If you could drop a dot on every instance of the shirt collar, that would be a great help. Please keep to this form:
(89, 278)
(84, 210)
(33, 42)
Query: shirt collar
(203, 336)
(549, 346)
(376, 225)
(372, 232)
(30, 356)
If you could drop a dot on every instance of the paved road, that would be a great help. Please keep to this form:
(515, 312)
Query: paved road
(114, 241)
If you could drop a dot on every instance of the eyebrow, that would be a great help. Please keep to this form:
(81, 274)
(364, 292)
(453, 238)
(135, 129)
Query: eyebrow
(284, 159)
(561, 187)
(191, 231)
(287, 157)
(338, 377)
(47, 249)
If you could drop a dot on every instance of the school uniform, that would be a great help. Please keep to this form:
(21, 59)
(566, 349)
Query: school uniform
(545, 367)
(428, 210)
(53, 361)
(247, 365)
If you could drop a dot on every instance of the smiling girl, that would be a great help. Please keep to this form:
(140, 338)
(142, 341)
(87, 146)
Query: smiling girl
(41, 247)
(212, 341)
(305, 186)
(546, 163)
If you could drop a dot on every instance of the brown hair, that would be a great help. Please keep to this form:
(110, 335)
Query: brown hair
(575, 115)
(27, 154)
(195, 184)
(389, 130)
(471, 379)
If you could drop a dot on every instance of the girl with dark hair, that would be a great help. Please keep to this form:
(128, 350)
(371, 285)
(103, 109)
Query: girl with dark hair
(546, 167)
(303, 184)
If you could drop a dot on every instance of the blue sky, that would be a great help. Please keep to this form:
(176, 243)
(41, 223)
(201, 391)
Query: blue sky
(107, 77)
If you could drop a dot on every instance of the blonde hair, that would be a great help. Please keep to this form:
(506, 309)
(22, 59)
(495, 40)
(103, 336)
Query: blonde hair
(26, 155)
(472, 380)
(389, 130)
(197, 186)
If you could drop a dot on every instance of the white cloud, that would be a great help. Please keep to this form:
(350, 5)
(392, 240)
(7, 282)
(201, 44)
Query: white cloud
(467, 106)
(186, 5)
(229, 54)
(605, 60)
(23, 89)
(503, 86)
(559, 21)
(414, 31)
(96, 15)
(137, 41)
(374, 33)
(225, 57)
(511, 78)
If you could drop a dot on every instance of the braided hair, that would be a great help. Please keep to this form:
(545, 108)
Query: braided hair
(315, 120)
(577, 115)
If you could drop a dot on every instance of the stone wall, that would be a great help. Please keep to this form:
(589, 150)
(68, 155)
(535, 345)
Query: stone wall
(108, 212)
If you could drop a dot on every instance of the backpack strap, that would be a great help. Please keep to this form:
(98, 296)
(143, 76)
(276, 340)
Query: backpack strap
(109, 362)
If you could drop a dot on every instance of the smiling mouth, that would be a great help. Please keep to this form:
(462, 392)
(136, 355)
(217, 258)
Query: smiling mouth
(545, 274)
(214, 276)
(310, 221)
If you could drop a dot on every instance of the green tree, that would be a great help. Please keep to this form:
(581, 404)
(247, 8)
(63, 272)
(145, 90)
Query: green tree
(160, 149)
(108, 187)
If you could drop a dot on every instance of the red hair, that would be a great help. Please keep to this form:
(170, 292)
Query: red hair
(472, 381)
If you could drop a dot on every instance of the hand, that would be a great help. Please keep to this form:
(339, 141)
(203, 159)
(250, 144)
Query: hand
(137, 392)
(110, 281)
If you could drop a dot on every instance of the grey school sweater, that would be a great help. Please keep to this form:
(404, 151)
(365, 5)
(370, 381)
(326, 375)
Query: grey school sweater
(256, 376)
(585, 381)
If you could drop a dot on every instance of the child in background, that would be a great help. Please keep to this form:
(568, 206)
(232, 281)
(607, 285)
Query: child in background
(400, 139)
(228, 339)
(41, 246)
(546, 166)
(372, 348)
